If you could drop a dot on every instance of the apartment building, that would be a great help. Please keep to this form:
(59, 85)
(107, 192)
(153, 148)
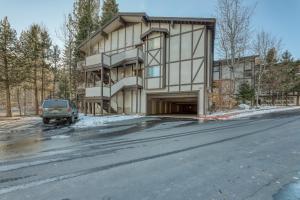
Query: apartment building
(245, 72)
(148, 65)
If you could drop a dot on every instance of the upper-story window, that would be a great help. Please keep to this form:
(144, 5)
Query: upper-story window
(248, 73)
(154, 43)
(153, 71)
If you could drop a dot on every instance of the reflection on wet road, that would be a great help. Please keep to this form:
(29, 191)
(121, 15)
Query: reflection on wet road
(19, 138)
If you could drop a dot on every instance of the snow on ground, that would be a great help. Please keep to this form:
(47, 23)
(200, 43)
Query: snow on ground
(240, 113)
(93, 121)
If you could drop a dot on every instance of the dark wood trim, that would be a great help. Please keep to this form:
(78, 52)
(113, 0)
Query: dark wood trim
(164, 54)
(177, 34)
(154, 58)
(192, 61)
(160, 66)
(205, 72)
(196, 58)
(199, 68)
(169, 55)
(118, 34)
(180, 45)
(110, 42)
(197, 44)
(185, 84)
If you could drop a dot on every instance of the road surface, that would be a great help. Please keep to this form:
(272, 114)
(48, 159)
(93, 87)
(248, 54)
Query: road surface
(150, 158)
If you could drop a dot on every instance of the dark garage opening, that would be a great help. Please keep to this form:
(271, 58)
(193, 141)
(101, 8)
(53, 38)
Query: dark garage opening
(172, 104)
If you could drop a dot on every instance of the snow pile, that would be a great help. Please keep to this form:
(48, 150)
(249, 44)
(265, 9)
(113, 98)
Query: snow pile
(93, 121)
(235, 114)
(244, 106)
(262, 110)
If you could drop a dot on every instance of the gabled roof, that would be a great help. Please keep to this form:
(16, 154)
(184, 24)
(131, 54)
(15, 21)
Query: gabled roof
(152, 30)
(135, 17)
(251, 58)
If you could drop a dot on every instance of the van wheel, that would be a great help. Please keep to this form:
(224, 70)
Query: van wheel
(46, 120)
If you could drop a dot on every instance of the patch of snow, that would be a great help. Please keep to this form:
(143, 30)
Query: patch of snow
(244, 106)
(235, 114)
(60, 136)
(263, 110)
(94, 121)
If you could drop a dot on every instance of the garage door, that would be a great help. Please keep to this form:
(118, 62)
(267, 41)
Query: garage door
(172, 103)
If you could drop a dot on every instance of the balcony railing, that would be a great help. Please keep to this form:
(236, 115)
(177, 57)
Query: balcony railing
(109, 92)
(114, 59)
(93, 60)
(125, 56)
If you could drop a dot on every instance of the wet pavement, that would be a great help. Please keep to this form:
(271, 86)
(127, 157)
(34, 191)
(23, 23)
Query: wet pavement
(152, 158)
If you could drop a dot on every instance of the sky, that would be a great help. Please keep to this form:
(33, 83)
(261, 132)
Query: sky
(279, 17)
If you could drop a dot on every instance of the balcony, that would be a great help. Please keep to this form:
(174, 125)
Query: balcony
(93, 60)
(108, 92)
(96, 92)
(126, 56)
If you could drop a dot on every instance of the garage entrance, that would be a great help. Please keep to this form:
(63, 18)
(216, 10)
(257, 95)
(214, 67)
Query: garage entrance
(172, 104)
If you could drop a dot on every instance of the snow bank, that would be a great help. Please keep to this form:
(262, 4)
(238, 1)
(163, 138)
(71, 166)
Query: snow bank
(93, 121)
(235, 114)
(244, 106)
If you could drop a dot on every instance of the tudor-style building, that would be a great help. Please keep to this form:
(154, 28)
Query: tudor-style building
(148, 65)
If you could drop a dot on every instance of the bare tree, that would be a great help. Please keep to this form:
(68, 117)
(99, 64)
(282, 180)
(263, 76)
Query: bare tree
(263, 45)
(233, 30)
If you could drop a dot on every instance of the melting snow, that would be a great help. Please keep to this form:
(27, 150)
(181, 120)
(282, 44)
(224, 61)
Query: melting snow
(93, 121)
(238, 113)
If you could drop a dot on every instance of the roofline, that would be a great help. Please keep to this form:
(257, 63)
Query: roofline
(241, 58)
(203, 21)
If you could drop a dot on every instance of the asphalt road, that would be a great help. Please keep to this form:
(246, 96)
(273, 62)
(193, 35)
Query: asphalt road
(150, 158)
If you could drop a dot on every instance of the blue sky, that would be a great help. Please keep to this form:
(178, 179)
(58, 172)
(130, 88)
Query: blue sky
(280, 17)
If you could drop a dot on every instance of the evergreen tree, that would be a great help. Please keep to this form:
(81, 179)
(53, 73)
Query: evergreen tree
(271, 56)
(11, 70)
(246, 93)
(286, 57)
(109, 9)
(84, 21)
(55, 59)
(45, 53)
(32, 48)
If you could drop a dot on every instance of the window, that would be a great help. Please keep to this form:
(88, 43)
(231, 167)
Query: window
(154, 43)
(248, 73)
(153, 71)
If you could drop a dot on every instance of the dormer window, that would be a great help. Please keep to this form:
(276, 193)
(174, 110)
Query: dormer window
(154, 43)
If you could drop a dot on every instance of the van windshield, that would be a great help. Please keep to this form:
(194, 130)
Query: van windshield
(55, 104)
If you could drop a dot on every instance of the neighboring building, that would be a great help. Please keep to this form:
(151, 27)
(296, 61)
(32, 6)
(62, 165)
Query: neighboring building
(225, 84)
(148, 65)
(244, 71)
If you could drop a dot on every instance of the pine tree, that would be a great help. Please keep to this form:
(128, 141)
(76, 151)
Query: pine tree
(55, 58)
(286, 57)
(84, 21)
(246, 93)
(271, 56)
(109, 10)
(45, 53)
(12, 72)
(78, 27)
(32, 48)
